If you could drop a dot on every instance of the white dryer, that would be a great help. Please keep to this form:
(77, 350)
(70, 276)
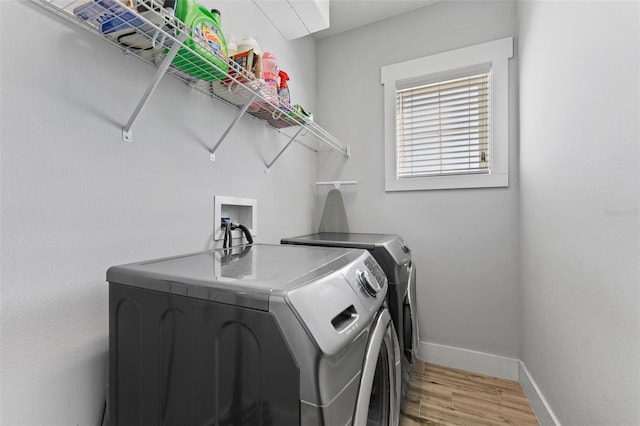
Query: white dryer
(258, 335)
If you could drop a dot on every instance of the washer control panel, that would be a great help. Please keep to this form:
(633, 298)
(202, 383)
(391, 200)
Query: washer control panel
(340, 300)
(376, 270)
(370, 286)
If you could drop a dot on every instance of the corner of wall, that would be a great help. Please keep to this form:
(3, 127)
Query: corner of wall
(495, 366)
(539, 405)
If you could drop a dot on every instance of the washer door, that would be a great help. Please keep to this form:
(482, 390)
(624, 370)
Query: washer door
(378, 401)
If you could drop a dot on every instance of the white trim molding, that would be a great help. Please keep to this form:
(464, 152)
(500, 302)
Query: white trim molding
(495, 366)
(474, 361)
(539, 405)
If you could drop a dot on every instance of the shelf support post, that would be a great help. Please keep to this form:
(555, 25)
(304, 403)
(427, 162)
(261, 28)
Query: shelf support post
(162, 69)
(268, 169)
(212, 151)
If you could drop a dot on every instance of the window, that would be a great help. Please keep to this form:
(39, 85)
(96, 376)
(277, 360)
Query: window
(443, 128)
(446, 119)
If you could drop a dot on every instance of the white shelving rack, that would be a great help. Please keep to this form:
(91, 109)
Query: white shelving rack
(151, 33)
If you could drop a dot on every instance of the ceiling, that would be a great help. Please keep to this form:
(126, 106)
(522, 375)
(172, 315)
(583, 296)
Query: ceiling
(348, 14)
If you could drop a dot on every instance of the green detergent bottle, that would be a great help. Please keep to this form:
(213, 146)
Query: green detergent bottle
(206, 36)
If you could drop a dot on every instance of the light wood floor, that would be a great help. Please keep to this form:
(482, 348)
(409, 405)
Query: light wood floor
(446, 396)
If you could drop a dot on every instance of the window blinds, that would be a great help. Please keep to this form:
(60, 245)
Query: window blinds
(443, 128)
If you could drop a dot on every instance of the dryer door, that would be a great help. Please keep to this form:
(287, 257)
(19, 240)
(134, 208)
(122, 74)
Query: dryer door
(379, 394)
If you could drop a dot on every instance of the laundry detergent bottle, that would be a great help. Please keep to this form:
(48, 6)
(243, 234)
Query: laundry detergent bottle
(205, 38)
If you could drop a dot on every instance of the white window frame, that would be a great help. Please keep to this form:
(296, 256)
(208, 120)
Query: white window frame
(442, 65)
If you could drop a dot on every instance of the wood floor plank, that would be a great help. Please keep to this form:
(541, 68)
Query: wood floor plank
(487, 410)
(450, 397)
(449, 416)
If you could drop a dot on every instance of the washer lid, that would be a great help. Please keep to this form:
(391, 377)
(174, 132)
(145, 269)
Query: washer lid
(342, 239)
(242, 276)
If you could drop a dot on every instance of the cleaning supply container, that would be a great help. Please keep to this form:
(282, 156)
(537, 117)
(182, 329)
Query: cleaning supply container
(270, 73)
(249, 43)
(206, 39)
(283, 90)
(110, 16)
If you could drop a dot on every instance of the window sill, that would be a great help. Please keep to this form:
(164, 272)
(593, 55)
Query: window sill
(493, 180)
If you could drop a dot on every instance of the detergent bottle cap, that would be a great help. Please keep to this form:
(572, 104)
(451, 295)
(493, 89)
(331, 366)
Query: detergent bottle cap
(215, 13)
(284, 77)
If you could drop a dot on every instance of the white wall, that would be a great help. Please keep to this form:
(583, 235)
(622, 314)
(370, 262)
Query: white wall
(76, 199)
(580, 98)
(464, 242)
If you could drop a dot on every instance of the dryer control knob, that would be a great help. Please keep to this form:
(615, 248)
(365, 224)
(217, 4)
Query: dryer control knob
(370, 286)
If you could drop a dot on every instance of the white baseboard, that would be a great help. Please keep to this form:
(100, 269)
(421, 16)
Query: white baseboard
(539, 404)
(491, 365)
(465, 359)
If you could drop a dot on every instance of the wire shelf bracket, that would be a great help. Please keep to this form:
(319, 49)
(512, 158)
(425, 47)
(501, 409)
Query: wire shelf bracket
(161, 71)
(268, 169)
(212, 152)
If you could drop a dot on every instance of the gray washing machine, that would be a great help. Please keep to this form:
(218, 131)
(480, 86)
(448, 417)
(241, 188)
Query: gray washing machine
(256, 335)
(393, 254)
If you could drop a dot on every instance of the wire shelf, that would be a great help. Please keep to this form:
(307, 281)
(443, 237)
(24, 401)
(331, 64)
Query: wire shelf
(143, 28)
